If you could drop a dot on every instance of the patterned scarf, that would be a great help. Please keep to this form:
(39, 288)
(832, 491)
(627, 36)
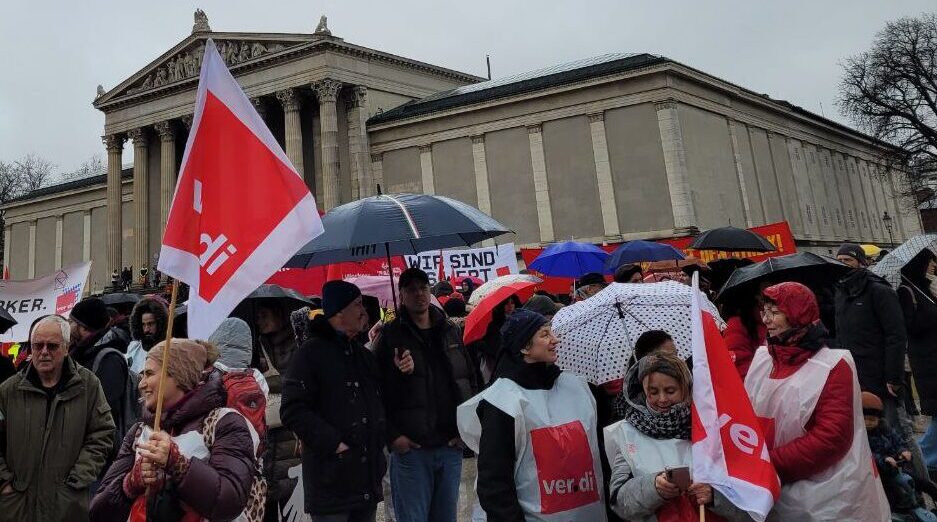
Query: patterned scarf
(671, 424)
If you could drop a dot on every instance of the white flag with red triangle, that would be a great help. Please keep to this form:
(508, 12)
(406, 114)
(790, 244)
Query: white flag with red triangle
(729, 448)
(240, 209)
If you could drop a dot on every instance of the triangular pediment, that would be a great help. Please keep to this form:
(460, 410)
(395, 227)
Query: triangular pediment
(182, 63)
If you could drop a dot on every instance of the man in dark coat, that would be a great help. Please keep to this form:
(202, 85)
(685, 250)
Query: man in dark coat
(427, 373)
(870, 324)
(332, 401)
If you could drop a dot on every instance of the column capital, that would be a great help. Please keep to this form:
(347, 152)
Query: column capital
(138, 136)
(113, 142)
(377, 157)
(534, 128)
(166, 130)
(478, 138)
(596, 116)
(669, 103)
(357, 96)
(259, 105)
(327, 89)
(426, 148)
(187, 121)
(289, 99)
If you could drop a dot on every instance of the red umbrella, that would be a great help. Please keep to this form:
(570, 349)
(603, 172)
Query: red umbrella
(476, 324)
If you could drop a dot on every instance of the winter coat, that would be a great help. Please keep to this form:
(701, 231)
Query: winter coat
(869, 324)
(632, 491)
(215, 488)
(885, 442)
(829, 432)
(331, 395)
(920, 319)
(410, 400)
(51, 459)
(112, 372)
(740, 342)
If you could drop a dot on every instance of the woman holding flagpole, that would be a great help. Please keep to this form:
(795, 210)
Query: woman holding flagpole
(808, 399)
(199, 463)
(650, 449)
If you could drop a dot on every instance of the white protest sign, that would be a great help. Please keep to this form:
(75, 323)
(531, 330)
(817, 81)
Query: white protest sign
(31, 299)
(485, 263)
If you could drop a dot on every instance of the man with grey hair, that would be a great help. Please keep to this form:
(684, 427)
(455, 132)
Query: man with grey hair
(63, 431)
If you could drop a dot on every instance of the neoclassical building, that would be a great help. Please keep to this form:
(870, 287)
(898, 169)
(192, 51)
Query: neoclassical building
(607, 149)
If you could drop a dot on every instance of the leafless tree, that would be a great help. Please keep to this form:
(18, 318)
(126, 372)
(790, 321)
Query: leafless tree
(93, 166)
(890, 92)
(18, 178)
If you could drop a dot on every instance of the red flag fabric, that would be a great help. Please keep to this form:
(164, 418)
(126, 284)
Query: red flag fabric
(729, 447)
(240, 209)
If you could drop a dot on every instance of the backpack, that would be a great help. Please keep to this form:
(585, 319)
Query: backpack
(246, 397)
(129, 401)
(256, 497)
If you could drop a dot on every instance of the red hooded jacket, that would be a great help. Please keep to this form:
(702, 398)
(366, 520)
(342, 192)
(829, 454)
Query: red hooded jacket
(829, 432)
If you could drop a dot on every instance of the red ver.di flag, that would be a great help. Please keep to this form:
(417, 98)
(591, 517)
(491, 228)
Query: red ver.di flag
(240, 209)
(730, 451)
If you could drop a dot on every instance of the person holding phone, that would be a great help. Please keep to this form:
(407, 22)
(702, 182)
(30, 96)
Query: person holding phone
(650, 448)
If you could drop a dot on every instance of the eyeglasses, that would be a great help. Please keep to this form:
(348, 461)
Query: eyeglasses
(40, 346)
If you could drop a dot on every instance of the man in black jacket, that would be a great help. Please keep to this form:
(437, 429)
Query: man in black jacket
(427, 373)
(870, 324)
(332, 401)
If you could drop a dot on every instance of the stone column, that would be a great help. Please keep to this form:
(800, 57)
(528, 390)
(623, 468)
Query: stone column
(377, 170)
(426, 169)
(327, 92)
(7, 237)
(58, 242)
(141, 205)
(293, 132)
(114, 144)
(31, 257)
(86, 238)
(678, 179)
(603, 176)
(362, 184)
(541, 185)
(482, 192)
(746, 204)
(167, 169)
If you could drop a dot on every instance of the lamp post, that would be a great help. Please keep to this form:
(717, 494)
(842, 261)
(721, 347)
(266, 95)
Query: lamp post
(888, 225)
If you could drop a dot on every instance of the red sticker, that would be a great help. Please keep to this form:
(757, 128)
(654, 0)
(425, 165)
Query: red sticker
(565, 469)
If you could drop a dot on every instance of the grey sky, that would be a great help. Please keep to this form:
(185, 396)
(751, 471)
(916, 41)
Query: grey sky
(56, 53)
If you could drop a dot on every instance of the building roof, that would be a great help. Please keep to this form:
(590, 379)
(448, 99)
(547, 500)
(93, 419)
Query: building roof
(74, 184)
(540, 79)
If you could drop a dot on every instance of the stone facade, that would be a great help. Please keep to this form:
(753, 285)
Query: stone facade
(622, 147)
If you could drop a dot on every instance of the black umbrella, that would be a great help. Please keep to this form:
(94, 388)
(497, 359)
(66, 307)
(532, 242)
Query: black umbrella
(289, 298)
(804, 267)
(6, 321)
(120, 298)
(395, 224)
(731, 239)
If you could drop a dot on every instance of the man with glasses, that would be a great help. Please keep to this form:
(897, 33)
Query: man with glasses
(57, 428)
(427, 373)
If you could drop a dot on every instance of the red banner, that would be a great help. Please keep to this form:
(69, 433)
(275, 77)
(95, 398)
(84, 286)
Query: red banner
(309, 281)
(778, 234)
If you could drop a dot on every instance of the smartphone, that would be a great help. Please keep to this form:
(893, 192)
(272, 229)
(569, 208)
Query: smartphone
(680, 477)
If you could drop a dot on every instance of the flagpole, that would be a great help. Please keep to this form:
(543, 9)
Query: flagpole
(702, 513)
(165, 364)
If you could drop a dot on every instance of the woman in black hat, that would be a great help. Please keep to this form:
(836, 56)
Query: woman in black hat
(552, 413)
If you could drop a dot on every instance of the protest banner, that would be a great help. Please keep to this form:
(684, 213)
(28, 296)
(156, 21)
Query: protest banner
(28, 300)
(485, 263)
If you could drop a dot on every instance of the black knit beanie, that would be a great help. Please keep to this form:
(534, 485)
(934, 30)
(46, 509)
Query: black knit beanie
(336, 295)
(518, 329)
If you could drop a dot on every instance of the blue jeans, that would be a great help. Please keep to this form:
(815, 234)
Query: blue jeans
(425, 484)
(929, 444)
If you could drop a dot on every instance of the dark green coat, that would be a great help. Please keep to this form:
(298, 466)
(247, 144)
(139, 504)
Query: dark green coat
(52, 460)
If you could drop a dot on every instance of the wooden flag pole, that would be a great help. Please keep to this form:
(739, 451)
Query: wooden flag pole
(162, 371)
(702, 513)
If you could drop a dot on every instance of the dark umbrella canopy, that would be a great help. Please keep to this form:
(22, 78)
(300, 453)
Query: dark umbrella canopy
(639, 251)
(120, 298)
(6, 321)
(803, 267)
(731, 239)
(393, 225)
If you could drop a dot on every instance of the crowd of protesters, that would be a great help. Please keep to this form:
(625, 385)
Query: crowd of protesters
(364, 409)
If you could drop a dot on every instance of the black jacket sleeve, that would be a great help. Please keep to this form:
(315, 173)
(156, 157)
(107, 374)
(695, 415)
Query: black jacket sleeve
(892, 321)
(497, 493)
(299, 410)
(384, 357)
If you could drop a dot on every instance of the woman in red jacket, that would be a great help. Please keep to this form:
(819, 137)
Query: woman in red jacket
(744, 332)
(808, 399)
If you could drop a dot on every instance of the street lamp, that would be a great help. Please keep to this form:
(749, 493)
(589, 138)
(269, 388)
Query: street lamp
(887, 220)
